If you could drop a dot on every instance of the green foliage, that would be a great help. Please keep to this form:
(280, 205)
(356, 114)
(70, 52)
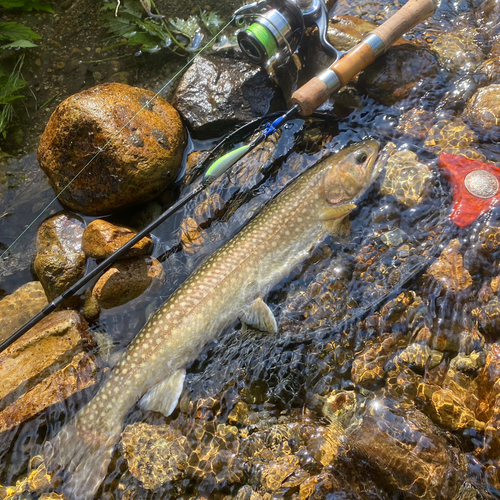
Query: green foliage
(16, 35)
(27, 5)
(148, 33)
(10, 85)
(153, 34)
(212, 21)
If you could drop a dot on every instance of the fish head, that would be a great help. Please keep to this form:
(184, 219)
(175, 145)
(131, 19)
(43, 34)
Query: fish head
(352, 171)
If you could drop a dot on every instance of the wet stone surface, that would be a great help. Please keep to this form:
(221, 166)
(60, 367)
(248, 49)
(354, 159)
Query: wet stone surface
(483, 112)
(217, 93)
(126, 280)
(101, 238)
(60, 260)
(143, 158)
(403, 311)
(46, 366)
(19, 307)
(406, 178)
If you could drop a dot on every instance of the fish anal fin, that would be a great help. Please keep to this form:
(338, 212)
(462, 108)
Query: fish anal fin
(163, 396)
(260, 316)
(336, 212)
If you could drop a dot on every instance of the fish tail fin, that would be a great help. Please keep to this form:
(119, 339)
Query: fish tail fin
(81, 454)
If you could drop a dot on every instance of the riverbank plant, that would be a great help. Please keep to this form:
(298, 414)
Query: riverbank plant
(15, 36)
(152, 34)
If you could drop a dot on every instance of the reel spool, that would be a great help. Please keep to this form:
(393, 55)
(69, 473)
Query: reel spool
(276, 34)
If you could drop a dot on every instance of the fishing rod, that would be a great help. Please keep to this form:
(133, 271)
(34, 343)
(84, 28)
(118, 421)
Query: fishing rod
(273, 31)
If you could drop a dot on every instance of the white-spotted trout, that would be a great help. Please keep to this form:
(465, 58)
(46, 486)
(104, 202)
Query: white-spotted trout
(230, 285)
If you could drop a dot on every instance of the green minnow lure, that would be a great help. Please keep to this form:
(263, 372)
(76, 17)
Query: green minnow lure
(228, 286)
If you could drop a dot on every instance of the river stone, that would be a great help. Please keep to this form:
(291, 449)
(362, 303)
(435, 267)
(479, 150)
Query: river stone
(126, 280)
(43, 350)
(483, 112)
(143, 157)
(60, 261)
(449, 269)
(155, 453)
(488, 17)
(458, 52)
(217, 93)
(102, 238)
(393, 77)
(406, 178)
(80, 373)
(19, 307)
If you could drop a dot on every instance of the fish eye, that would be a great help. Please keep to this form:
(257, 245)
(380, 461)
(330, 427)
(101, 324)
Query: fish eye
(361, 157)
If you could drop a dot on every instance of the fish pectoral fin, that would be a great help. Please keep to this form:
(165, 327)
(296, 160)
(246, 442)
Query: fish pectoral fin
(260, 316)
(336, 212)
(163, 396)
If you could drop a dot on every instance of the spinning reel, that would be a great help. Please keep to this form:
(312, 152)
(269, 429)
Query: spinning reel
(277, 28)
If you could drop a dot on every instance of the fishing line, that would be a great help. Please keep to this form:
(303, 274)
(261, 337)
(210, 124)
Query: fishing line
(103, 148)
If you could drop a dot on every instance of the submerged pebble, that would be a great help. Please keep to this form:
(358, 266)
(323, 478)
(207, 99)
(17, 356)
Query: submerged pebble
(406, 178)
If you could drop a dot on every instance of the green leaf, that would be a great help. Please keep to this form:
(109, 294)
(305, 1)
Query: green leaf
(17, 44)
(9, 92)
(27, 5)
(187, 27)
(13, 32)
(212, 21)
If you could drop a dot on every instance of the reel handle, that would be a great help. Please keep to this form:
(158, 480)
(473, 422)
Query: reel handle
(317, 90)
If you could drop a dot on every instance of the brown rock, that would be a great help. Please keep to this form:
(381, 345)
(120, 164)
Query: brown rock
(449, 268)
(489, 239)
(19, 307)
(60, 261)
(126, 280)
(142, 158)
(488, 17)
(217, 93)
(91, 307)
(368, 366)
(81, 373)
(42, 351)
(102, 238)
(447, 408)
(388, 435)
(457, 51)
(483, 112)
(488, 383)
(392, 77)
(191, 235)
(406, 178)
(155, 453)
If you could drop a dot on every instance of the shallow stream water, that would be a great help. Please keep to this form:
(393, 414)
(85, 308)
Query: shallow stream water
(252, 421)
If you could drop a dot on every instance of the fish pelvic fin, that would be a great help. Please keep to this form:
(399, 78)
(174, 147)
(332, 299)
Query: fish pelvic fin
(260, 316)
(80, 456)
(335, 219)
(163, 396)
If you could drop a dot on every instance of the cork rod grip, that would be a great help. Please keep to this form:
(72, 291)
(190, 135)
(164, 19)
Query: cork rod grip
(315, 92)
(406, 18)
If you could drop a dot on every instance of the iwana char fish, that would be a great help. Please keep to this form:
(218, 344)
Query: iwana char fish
(231, 284)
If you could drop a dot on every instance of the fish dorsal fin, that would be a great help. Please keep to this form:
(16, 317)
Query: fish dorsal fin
(260, 316)
(336, 212)
(164, 395)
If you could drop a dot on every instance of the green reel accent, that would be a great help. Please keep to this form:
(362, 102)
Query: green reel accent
(265, 37)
